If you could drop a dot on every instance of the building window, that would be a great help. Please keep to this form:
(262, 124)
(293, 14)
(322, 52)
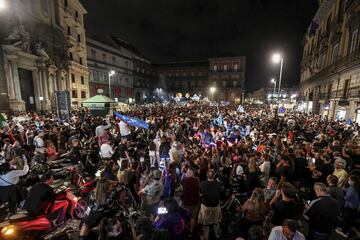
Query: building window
(73, 78)
(236, 67)
(104, 57)
(93, 54)
(82, 80)
(81, 61)
(76, 14)
(68, 30)
(126, 63)
(137, 69)
(225, 67)
(184, 73)
(200, 74)
(224, 84)
(234, 84)
(66, 3)
(335, 53)
(71, 56)
(74, 93)
(354, 40)
(83, 94)
(215, 68)
(78, 38)
(113, 60)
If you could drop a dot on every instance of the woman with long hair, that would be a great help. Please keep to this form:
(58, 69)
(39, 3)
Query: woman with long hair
(51, 152)
(101, 200)
(252, 174)
(254, 209)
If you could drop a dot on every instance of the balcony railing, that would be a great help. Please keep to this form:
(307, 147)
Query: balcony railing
(343, 63)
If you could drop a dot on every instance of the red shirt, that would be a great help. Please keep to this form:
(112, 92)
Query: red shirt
(191, 190)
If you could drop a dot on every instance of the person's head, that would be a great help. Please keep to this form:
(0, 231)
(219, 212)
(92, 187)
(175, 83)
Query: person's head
(112, 227)
(134, 166)
(210, 175)
(49, 143)
(290, 227)
(18, 138)
(144, 227)
(340, 163)
(255, 233)
(272, 183)
(4, 168)
(332, 180)
(101, 190)
(123, 140)
(354, 181)
(287, 189)
(284, 159)
(75, 142)
(156, 175)
(7, 141)
(258, 195)
(320, 189)
(190, 172)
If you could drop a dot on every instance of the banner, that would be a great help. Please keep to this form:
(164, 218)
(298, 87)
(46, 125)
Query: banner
(132, 121)
(63, 105)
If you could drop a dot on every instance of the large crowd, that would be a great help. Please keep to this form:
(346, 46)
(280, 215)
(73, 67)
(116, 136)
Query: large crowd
(197, 172)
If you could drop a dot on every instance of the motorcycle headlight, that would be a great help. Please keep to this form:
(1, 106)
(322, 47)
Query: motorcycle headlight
(8, 230)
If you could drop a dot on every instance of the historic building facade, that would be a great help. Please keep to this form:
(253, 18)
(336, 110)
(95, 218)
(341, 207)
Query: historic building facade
(107, 54)
(70, 17)
(33, 55)
(188, 77)
(226, 75)
(330, 69)
(145, 78)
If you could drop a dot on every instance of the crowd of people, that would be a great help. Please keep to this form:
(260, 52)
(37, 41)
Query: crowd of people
(197, 172)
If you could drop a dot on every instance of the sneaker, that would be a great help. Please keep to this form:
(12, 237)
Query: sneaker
(341, 233)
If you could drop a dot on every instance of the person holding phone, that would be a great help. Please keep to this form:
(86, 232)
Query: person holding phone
(171, 217)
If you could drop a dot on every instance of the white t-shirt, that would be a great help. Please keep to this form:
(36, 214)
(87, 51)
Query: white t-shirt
(277, 234)
(124, 129)
(265, 169)
(106, 150)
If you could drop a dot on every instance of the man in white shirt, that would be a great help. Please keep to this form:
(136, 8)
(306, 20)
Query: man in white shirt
(288, 231)
(265, 169)
(100, 129)
(124, 129)
(106, 150)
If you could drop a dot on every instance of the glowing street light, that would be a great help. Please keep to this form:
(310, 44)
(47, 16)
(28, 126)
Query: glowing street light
(276, 59)
(212, 91)
(2, 5)
(111, 73)
(273, 81)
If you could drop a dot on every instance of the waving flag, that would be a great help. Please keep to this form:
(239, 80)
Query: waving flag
(132, 121)
(219, 120)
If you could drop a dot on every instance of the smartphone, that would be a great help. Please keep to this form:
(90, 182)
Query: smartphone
(308, 202)
(23, 157)
(162, 210)
(313, 160)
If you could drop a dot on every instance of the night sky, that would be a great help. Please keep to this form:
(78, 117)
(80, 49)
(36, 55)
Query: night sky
(169, 30)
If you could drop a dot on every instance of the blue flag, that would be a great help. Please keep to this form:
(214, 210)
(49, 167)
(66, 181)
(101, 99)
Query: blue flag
(219, 120)
(132, 121)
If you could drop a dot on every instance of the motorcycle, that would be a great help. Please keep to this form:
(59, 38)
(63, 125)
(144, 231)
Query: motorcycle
(27, 227)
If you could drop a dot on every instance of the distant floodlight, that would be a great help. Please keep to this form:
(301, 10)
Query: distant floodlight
(276, 58)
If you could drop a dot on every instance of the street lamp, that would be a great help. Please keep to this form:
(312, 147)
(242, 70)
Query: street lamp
(212, 91)
(158, 93)
(41, 98)
(111, 73)
(276, 59)
(2, 4)
(273, 81)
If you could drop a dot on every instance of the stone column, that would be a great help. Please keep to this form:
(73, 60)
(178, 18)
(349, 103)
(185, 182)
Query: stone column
(16, 102)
